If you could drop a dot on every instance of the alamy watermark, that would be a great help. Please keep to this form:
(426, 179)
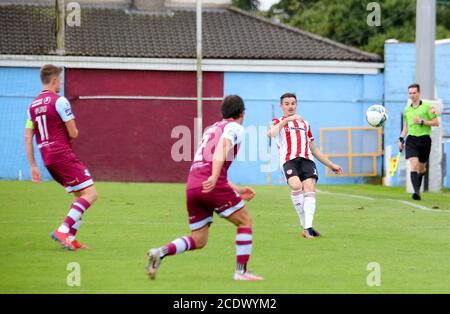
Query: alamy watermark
(374, 277)
(73, 279)
(73, 14)
(255, 146)
(374, 17)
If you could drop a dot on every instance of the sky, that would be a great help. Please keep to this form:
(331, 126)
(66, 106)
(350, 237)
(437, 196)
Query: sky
(266, 4)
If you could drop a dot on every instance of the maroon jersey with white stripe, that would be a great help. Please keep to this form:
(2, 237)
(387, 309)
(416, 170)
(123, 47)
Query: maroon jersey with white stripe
(293, 140)
(47, 112)
(201, 167)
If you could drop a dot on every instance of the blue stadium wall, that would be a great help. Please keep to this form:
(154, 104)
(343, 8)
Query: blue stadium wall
(18, 88)
(400, 62)
(325, 100)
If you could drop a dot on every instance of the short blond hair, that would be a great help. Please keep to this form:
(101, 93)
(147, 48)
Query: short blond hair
(49, 71)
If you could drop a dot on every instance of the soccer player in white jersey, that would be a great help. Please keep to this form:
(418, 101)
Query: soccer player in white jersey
(296, 147)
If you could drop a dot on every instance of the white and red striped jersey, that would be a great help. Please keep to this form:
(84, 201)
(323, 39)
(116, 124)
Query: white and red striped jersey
(293, 140)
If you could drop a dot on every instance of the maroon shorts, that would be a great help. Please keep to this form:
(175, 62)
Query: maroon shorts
(72, 174)
(223, 200)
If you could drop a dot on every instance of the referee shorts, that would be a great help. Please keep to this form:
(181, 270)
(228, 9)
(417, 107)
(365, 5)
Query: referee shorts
(418, 146)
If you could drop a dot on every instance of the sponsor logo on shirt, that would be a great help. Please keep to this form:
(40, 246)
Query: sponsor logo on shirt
(36, 103)
(47, 100)
(196, 165)
(293, 128)
(44, 144)
(289, 171)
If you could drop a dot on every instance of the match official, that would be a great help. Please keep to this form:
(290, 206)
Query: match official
(419, 117)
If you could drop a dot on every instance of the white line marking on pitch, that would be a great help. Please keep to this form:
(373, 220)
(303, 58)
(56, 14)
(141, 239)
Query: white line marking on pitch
(420, 206)
(387, 199)
(348, 195)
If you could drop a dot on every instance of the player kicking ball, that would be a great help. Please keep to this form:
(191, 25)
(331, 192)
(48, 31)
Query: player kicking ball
(50, 118)
(208, 190)
(296, 147)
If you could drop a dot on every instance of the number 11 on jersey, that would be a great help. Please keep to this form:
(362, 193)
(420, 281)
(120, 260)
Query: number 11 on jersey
(42, 126)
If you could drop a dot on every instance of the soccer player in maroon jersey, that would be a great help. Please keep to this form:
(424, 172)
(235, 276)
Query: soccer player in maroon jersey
(50, 118)
(208, 190)
(296, 147)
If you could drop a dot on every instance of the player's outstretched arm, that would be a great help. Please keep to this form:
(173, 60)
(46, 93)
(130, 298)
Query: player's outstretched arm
(35, 174)
(246, 192)
(219, 157)
(324, 160)
(275, 128)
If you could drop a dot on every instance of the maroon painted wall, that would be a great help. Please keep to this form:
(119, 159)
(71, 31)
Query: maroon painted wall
(130, 140)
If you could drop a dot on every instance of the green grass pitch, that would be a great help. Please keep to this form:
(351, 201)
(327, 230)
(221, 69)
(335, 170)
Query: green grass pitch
(411, 243)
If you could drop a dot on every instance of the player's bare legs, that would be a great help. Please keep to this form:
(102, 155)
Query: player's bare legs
(66, 233)
(89, 194)
(309, 208)
(244, 242)
(418, 169)
(200, 237)
(297, 197)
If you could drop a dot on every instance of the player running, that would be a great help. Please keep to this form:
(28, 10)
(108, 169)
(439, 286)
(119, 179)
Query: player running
(296, 147)
(208, 190)
(50, 118)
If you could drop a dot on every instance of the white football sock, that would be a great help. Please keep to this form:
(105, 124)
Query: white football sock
(298, 197)
(309, 208)
(63, 229)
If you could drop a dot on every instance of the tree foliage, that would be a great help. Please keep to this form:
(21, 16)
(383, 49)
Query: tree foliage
(346, 20)
(248, 5)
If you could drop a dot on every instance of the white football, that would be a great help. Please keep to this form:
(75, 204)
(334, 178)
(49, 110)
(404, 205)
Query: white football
(376, 115)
